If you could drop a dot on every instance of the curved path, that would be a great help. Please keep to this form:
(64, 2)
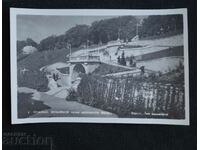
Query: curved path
(62, 108)
(59, 107)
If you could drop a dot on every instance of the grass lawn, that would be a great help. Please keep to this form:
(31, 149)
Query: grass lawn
(104, 69)
(39, 59)
(173, 51)
(172, 33)
(26, 106)
(34, 78)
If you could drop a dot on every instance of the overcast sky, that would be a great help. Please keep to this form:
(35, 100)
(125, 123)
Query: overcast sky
(40, 27)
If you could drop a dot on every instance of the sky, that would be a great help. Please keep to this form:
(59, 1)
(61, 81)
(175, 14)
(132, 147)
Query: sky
(40, 27)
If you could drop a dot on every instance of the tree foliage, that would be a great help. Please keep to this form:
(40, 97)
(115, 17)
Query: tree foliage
(27, 42)
(109, 29)
(106, 30)
(75, 36)
(100, 31)
(34, 79)
(161, 25)
(125, 95)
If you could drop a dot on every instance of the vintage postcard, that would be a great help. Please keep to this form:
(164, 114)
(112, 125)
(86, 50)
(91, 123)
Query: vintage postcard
(99, 66)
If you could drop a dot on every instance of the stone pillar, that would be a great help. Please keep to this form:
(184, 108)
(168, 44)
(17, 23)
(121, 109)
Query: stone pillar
(85, 65)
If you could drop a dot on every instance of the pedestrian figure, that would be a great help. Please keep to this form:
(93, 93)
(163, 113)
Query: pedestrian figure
(54, 76)
(119, 60)
(134, 61)
(123, 60)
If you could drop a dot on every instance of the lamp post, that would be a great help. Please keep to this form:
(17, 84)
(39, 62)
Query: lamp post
(70, 51)
(137, 29)
(119, 30)
(87, 43)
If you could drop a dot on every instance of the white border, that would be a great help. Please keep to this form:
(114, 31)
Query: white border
(1, 74)
(198, 74)
(93, 12)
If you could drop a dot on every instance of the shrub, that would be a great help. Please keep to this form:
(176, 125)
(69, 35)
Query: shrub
(33, 79)
(72, 95)
(27, 106)
(125, 95)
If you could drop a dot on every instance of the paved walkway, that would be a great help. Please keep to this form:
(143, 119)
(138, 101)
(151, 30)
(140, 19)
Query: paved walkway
(60, 92)
(62, 108)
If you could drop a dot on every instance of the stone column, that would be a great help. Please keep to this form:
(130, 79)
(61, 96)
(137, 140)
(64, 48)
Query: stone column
(85, 65)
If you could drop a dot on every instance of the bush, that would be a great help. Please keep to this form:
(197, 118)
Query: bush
(104, 69)
(125, 95)
(72, 95)
(33, 79)
(27, 106)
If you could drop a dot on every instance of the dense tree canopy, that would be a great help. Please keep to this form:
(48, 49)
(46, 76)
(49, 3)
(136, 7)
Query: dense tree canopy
(27, 42)
(161, 25)
(107, 30)
(110, 29)
(77, 35)
(100, 31)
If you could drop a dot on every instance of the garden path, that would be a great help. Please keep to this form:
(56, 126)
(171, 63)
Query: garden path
(62, 108)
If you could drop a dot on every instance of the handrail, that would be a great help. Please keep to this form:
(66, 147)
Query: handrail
(84, 58)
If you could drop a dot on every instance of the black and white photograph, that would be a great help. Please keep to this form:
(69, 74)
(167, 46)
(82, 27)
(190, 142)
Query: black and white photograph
(99, 66)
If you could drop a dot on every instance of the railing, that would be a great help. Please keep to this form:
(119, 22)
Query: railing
(85, 58)
(131, 98)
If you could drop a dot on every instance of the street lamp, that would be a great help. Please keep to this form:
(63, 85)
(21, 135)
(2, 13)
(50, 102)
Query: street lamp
(87, 43)
(70, 51)
(137, 25)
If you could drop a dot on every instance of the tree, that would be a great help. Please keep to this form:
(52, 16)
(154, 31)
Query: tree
(123, 60)
(159, 25)
(108, 29)
(72, 95)
(77, 35)
(47, 43)
(142, 70)
(119, 60)
(31, 42)
(27, 42)
(100, 31)
(20, 46)
(131, 61)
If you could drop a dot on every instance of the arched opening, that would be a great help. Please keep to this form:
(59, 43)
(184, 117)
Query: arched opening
(77, 71)
(79, 68)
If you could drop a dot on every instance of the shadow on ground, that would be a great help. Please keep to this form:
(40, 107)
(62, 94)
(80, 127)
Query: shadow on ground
(27, 106)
